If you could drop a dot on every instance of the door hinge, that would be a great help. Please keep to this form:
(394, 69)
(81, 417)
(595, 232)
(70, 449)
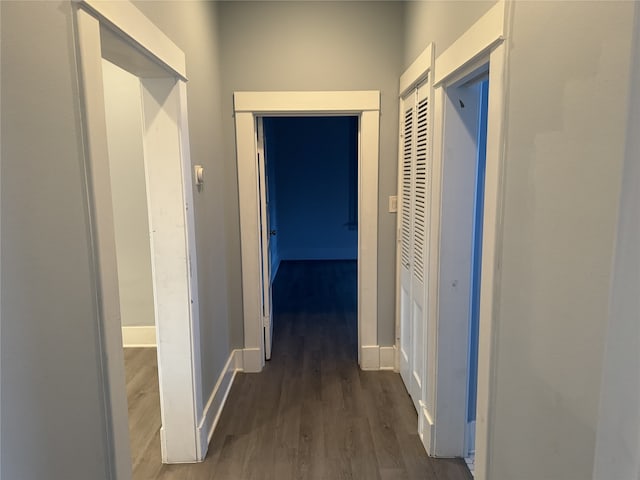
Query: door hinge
(266, 321)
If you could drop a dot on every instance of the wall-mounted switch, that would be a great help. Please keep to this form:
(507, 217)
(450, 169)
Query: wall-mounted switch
(393, 203)
(198, 173)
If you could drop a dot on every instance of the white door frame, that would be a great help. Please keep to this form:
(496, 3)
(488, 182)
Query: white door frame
(120, 33)
(481, 44)
(364, 104)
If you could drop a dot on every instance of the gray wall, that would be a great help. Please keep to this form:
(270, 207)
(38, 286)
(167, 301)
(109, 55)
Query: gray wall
(123, 108)
(193, 27)
(566, 116)
(52, 405)
(618, 438)
(314, 46)
(441, 22)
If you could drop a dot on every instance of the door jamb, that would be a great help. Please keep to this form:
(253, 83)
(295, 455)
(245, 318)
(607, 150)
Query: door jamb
(483, 40)
(140, 34)
(366, 105)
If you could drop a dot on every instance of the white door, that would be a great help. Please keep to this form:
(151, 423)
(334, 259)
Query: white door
(407, 135)
(421, 196)
(414, 221)
(265, 236)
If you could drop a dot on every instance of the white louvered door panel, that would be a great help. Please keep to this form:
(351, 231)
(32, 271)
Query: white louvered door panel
(407, 156)
(420, 221)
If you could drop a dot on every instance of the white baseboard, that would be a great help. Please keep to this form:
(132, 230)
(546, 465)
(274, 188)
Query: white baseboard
(252, 360)
(425, 429)
(215, 404)
(375, 357)
(139, 336)
(370, 357)
(388, 358)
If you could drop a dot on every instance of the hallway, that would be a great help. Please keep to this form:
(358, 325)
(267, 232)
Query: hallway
(312, 413)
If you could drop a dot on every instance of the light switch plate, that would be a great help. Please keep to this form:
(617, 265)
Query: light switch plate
(393, 203)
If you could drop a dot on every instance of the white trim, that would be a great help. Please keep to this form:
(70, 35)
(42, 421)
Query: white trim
(425, 427)
(103, 246)
(491, 250)
(370, 357)
(417, 71)
(132, 25)
(216, 402)
(238, 359)
(388, 358)
(289, 102)
(250, 105)
(252, 359)
(169, 214)
(139, 336)
(475, 42)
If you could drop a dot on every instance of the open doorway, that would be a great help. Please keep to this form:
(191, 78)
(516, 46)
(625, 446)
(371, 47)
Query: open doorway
(311, 223)
(463, 175)
(120, 34)
(125, 133)
(251, 106)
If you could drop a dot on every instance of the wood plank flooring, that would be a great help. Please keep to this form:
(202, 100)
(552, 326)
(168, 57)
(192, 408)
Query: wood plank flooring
(312, 413)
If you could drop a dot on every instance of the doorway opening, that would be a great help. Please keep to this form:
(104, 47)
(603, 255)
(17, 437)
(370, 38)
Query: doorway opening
(117, 38)
(463, 175)
(249, 108)
(125, 132)
(311, 229)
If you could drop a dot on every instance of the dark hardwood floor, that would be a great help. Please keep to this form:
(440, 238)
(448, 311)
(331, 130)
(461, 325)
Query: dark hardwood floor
(312, 413)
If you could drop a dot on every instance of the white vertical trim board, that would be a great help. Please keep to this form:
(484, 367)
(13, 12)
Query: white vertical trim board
(250, 105)
(103, 245)
(139, 336)
(217, 399)
(491, 248)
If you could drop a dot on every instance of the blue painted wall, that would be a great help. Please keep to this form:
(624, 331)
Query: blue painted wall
(477, 251)
(312, 175)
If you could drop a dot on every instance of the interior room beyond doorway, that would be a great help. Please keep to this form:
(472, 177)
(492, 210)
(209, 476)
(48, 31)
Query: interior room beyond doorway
(311, 168)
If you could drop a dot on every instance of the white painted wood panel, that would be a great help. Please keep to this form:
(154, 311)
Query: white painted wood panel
(265, 240)
(103, 243)
(124, 17)
(405, 233)
(162, 151)
(456, 241)
(289, 102)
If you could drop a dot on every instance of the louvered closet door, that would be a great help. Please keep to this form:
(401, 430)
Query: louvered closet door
(420, 210)
(414, 165)
(406, 164)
